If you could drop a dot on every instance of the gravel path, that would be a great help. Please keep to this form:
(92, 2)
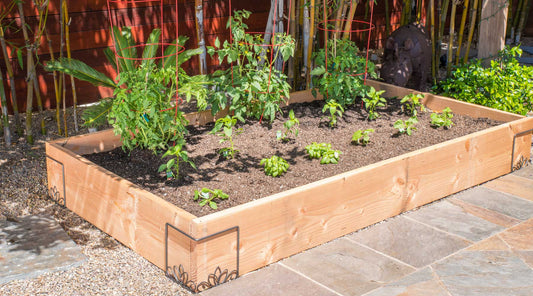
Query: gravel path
(111, 268)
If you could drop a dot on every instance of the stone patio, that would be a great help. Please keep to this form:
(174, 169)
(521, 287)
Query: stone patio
(476, 242)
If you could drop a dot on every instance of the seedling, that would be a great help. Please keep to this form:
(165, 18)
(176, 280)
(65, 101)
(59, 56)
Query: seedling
(291, 127)
(323, 151)
(407, 126)
(372, 101)
(224, 127)
(410, 104)
(443, 119)
(173, 165)
(275, 166)
(362, 137)
(334, 109)
(207, 196)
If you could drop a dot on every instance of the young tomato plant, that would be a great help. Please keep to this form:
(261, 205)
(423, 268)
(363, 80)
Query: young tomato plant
(407, 126)
(291, 127)
(253, 86)
(324, 152)
(207, 196)
(444, 119)
(339, 79)
(372, 101)
(224, 127)
(411, 103)
(362, 137)
(275, 166)
(334, 109)
(172, 167)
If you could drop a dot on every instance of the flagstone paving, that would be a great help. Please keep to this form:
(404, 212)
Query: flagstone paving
(478, 242)
(33, 245)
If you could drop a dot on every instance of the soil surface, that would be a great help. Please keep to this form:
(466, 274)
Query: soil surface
(244, 179)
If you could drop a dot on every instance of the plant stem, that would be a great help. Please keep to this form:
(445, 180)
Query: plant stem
(30, 72)
(450, 41)
(72, 82)
(11, 76)
(461, 32)
(5, 118)
(473, 15)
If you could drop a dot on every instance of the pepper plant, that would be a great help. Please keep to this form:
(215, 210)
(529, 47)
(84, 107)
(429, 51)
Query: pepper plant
(324, 152)
(334, 109)
(406, 126)
(225, 128)
(206, 196)
(443, 119)
(253, 87)
(291, 127)
(173, 164)
(411, 103)
(373, 100)
(362, 137)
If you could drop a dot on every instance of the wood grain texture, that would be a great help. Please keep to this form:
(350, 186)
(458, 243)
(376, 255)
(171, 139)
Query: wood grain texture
(492, 28)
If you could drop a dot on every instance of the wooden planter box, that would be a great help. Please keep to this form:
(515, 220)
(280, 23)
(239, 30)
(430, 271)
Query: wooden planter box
(204, 251)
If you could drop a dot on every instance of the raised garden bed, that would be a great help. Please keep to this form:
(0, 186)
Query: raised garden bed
(196, 250)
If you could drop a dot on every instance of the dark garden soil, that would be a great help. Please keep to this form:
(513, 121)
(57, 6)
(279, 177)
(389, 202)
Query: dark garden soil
(244, 179)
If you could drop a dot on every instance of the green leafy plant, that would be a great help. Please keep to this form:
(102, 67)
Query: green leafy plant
(275, 166)
(504, 85)
(407, 126)
(206, 196)
(291, 128)
(172, 166)
(225, 128)
(373, 100)
(341, 79)
(334, 109)
(324, 152)
(253, 87)
(96, 115)
(443, 119)
(411, 103)
(362, 137)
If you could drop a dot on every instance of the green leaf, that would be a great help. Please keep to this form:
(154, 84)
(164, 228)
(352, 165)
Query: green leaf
(213, 205)
(150, 49)
(81, 71)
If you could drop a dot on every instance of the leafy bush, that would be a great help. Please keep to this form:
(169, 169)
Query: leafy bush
(444, 119)
(505, 85)
(275, 166)
(254, 87)
(373, 100)
(411, 103)
(339, 81)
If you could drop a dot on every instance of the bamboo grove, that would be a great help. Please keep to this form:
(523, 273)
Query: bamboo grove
(307, 25)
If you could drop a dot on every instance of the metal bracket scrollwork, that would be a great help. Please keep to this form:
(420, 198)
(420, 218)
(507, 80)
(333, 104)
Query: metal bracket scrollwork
(53, 192)
(216, 278)
(522, 162)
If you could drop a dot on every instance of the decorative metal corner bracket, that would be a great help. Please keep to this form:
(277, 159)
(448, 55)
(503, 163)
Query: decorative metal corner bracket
(522, 161)
(216, 278)
(53, 191)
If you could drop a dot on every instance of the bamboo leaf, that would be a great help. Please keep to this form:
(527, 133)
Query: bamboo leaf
(151, 47)
(80, 70)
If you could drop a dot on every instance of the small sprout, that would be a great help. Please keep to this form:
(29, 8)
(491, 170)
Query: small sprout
(373, 100)
(291, 127)
(443, 119)
(334, 109)
(275, 166)
(362, 137)
(207, 196)
(412, 102)
(407, 126)
(323, 151)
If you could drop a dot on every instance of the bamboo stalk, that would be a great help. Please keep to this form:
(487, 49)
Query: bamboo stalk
(56, 85)
(432, 32)
(5, 118)
(292, 32)
(387, 18)
(443, 16)
(516, 19)
(509, 20)
(310, 42)
(29, 76)
(62, 82)
(461, 32)
(450, 42)
(199, 21)
(473, 15)
(349, 21)
(305, 38)
(523, 16)
(72, 81)
(338, 17)
(11, 76)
